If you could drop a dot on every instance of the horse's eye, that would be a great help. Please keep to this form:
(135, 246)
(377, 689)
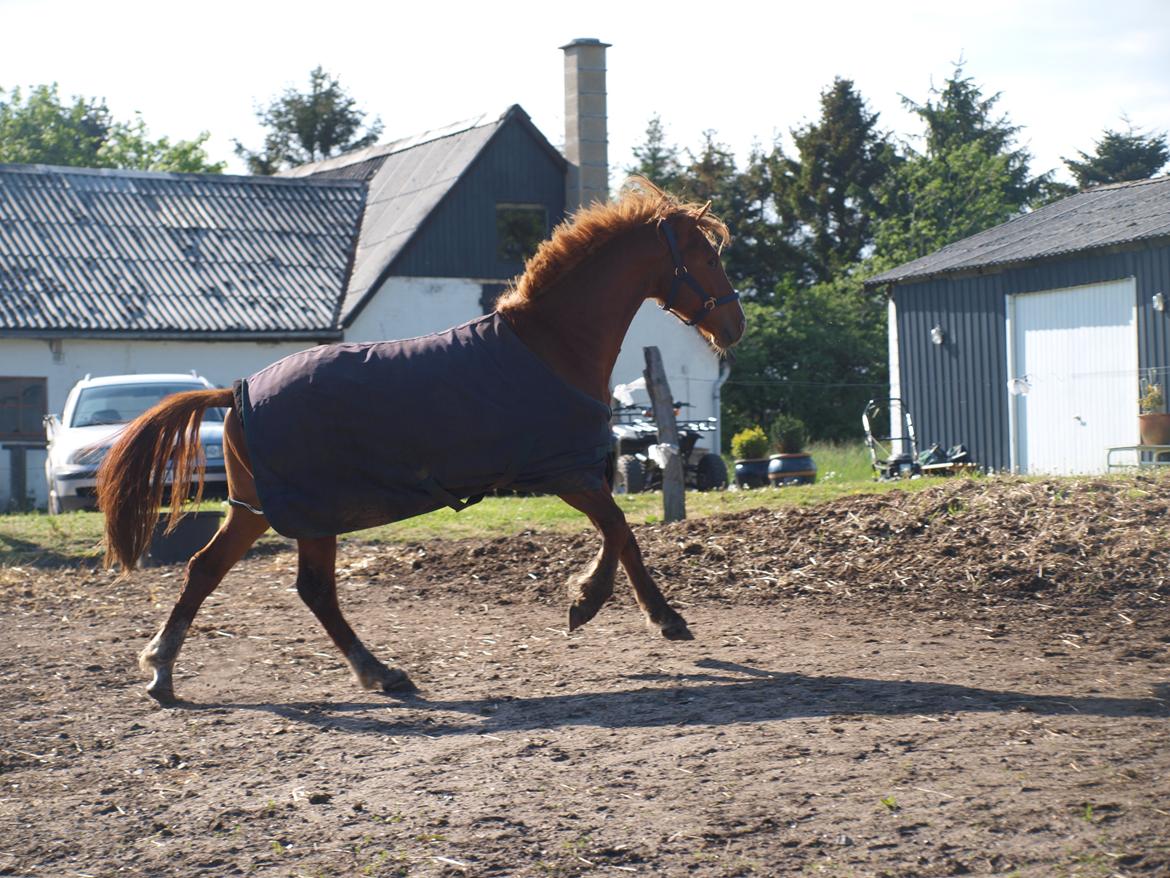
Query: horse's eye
(713, 262)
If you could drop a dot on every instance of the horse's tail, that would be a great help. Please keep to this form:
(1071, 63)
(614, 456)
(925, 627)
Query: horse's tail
(133, 476)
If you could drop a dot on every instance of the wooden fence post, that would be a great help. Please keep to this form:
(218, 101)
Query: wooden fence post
(674, 504)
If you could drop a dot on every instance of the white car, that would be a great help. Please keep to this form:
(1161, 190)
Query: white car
(95, 412)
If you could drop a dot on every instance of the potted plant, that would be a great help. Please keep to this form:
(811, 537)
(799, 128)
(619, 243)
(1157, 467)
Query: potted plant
(750, 449)
(1153, 419)
(790, 464)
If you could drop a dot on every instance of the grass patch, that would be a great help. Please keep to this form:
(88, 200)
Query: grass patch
(37, 538)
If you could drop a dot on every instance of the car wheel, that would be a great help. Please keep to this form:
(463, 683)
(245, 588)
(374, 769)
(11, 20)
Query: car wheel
(711, 473)
(628, 477)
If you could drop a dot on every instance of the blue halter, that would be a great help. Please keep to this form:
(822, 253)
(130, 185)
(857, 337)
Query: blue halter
(682, 276)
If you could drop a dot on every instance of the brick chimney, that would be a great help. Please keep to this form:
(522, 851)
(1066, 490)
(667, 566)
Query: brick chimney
(586, 139)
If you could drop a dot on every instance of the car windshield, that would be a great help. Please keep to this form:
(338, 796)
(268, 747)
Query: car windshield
(119, 403)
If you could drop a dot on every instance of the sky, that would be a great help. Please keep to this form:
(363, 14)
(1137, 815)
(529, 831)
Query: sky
(749, 71)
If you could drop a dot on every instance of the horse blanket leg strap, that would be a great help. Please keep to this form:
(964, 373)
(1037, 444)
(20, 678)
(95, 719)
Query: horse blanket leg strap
(452, 502)
(234, 502)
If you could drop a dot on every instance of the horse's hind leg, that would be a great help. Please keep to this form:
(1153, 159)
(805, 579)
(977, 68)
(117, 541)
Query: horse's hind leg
(205, 571)
(317, 586)
(209, 565)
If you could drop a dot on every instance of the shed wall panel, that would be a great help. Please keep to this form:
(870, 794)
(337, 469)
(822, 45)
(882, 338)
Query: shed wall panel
(957, 392)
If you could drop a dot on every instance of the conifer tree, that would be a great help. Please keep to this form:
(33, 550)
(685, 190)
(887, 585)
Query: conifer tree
(1119, 157)
(309, 126)
(830, 186)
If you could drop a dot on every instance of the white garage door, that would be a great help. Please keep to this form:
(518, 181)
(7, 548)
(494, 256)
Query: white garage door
(1074, 353)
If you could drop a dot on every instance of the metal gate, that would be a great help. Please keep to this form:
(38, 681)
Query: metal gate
(1072, 355)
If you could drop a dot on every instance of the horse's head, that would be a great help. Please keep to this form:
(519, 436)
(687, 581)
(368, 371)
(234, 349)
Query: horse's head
(695, 288)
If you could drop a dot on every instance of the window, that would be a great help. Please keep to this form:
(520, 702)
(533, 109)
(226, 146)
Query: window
(121, 403)
(22, 408)
(519, 230)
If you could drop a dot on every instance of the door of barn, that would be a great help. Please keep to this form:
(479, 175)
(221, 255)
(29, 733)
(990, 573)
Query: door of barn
(1073, 363)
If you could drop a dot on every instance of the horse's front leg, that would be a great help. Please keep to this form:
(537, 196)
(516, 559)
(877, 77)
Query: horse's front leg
(588, 591)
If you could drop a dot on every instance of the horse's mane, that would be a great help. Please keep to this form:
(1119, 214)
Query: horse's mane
(640, 203)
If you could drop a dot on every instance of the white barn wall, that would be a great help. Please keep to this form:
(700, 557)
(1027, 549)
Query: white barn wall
(692, 368)
(221, 363)
(406, 307)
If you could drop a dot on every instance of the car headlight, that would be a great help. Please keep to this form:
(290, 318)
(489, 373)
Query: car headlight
(89, 456)
(213, 452)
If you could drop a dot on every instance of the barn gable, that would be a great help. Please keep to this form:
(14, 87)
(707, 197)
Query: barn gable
(433, 200)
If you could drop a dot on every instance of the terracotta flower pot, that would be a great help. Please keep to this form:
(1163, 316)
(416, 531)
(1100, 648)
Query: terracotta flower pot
(1154, 428)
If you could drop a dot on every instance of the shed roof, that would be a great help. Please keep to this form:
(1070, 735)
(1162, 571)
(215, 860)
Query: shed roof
(1121, 213)
(115, 251)
(407, 180)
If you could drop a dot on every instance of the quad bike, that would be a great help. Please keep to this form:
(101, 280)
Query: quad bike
(637, 468)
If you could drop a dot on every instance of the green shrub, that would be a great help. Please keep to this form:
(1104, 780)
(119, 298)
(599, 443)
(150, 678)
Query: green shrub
(1152, 400)
(789, 434)
(749, 443)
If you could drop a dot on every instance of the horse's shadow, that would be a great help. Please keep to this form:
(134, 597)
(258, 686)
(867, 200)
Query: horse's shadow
(724, 694)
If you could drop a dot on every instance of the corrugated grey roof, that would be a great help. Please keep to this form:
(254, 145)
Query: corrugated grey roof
(158, 253)
(407, 179)
(1121, 213)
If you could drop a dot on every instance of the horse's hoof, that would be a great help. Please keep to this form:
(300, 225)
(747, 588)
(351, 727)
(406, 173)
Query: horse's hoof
(578, 617)
(162, 690)
(398, 681)
(676, 629)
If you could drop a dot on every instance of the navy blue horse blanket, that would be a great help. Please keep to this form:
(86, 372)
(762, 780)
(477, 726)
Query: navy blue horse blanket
(349, 436)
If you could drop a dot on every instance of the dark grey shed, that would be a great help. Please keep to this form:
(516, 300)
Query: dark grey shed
(958, 390)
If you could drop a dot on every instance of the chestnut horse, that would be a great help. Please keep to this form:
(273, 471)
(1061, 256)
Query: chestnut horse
(571, 308)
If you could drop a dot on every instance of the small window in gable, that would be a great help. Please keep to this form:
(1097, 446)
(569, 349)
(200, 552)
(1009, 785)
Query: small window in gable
(519, 230)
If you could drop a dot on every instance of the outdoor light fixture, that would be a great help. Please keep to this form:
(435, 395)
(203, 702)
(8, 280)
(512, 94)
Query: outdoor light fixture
(1159, 302)
(937, 335)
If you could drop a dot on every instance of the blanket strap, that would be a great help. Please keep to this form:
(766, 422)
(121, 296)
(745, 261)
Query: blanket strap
(519, 459)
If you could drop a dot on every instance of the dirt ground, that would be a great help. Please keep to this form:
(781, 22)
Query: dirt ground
(971, 680)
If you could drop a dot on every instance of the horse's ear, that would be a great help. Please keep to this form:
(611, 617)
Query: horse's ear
(703, 212)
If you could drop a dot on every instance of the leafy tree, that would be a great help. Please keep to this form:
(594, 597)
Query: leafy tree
(129, 146)
(1120, 157)
(762, 255)
(769, 250)
(830, 186)
(39, 128)
(657, 160)
(969, 177)
(711, 175)
(764, 252)
(815, 352)
(309, 126)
